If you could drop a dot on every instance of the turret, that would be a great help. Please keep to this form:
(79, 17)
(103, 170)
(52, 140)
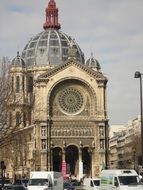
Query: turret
(51, 16)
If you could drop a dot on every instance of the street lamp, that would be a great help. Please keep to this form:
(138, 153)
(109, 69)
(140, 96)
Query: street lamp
(139, 75)
(3, 168)
(134, 157)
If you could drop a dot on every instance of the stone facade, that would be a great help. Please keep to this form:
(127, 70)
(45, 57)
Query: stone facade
(63, 114)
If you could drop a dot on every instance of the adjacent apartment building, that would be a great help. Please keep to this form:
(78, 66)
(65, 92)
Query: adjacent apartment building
(124, 145)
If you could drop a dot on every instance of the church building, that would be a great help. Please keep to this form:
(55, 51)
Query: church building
(59, 105)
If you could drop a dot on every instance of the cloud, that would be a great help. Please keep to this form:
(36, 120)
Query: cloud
(111, 29)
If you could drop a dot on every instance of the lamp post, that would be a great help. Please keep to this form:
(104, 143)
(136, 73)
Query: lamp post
(3, 167)
(106, 145)
(139, 75)
(51, 155)
(134, 157)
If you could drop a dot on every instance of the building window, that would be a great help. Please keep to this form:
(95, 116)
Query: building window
(43, 131)
(24, 119)
(10, 119)
(43, 144)
(70, 100)
(18, 120)
(29, 117)
(21, 158)
(23, 83)
(12, 83)
(30, 84)
(30, 137)
(17, 84)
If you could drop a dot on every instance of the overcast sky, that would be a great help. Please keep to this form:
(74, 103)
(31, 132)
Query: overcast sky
(111, 29)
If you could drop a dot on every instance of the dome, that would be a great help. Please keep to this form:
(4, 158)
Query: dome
(18, 61)
(93, 63)
(50, 47)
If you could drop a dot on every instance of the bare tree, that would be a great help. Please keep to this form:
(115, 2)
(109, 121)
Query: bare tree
(132, 152)
(16, 155)
(136, 149)
(6, 95)
(15, 134)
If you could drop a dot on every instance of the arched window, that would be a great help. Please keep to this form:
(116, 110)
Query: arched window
(24, 119)
(18, 119)
(29, 117)
(29, 137)
(17, 84)
(30, 84)
(10, 119)
(23, 83)
(12, 84)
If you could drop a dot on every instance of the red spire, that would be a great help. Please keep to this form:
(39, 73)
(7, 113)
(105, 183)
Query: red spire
(51, 16)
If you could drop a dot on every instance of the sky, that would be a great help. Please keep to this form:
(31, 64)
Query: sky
(111, 29)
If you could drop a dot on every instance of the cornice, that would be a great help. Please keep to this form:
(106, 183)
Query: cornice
(96, 74)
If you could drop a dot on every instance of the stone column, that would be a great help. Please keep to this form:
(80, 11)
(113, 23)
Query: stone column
(48, 145)
(91, 152)
(64, 166)
(80, 175)
(51, 149)
(48, 159)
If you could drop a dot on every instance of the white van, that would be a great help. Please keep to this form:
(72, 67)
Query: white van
(91, 183)
(124, 179)
(45, 180)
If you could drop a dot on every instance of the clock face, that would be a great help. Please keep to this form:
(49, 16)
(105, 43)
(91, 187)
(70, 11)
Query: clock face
(70, 100)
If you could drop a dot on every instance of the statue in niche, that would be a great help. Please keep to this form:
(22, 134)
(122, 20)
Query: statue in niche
(81, 131)
(55, 132)
(68, 132)
(52, 133)
(90, 132)
(72, 50)
(59, 133)
(102, 144)
(84, 132)
(73, 132)
(101, 131)
(64, 132)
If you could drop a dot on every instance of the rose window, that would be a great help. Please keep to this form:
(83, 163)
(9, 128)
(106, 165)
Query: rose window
(70, 100)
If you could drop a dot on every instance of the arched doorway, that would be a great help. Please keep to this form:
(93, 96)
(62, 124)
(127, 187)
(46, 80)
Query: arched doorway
(86, 158)
(72, 160)
(57, 159)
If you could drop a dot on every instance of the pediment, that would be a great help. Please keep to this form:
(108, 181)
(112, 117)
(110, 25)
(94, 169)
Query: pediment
(70, 63)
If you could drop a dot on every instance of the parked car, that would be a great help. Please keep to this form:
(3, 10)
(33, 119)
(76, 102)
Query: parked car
(8, 187)
(19, 187)
(4, 182)
(20, 184)
(75, 182)
(68, 186)
(91, 183)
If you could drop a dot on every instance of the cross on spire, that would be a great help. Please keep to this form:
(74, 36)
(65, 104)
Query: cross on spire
(51, 16)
